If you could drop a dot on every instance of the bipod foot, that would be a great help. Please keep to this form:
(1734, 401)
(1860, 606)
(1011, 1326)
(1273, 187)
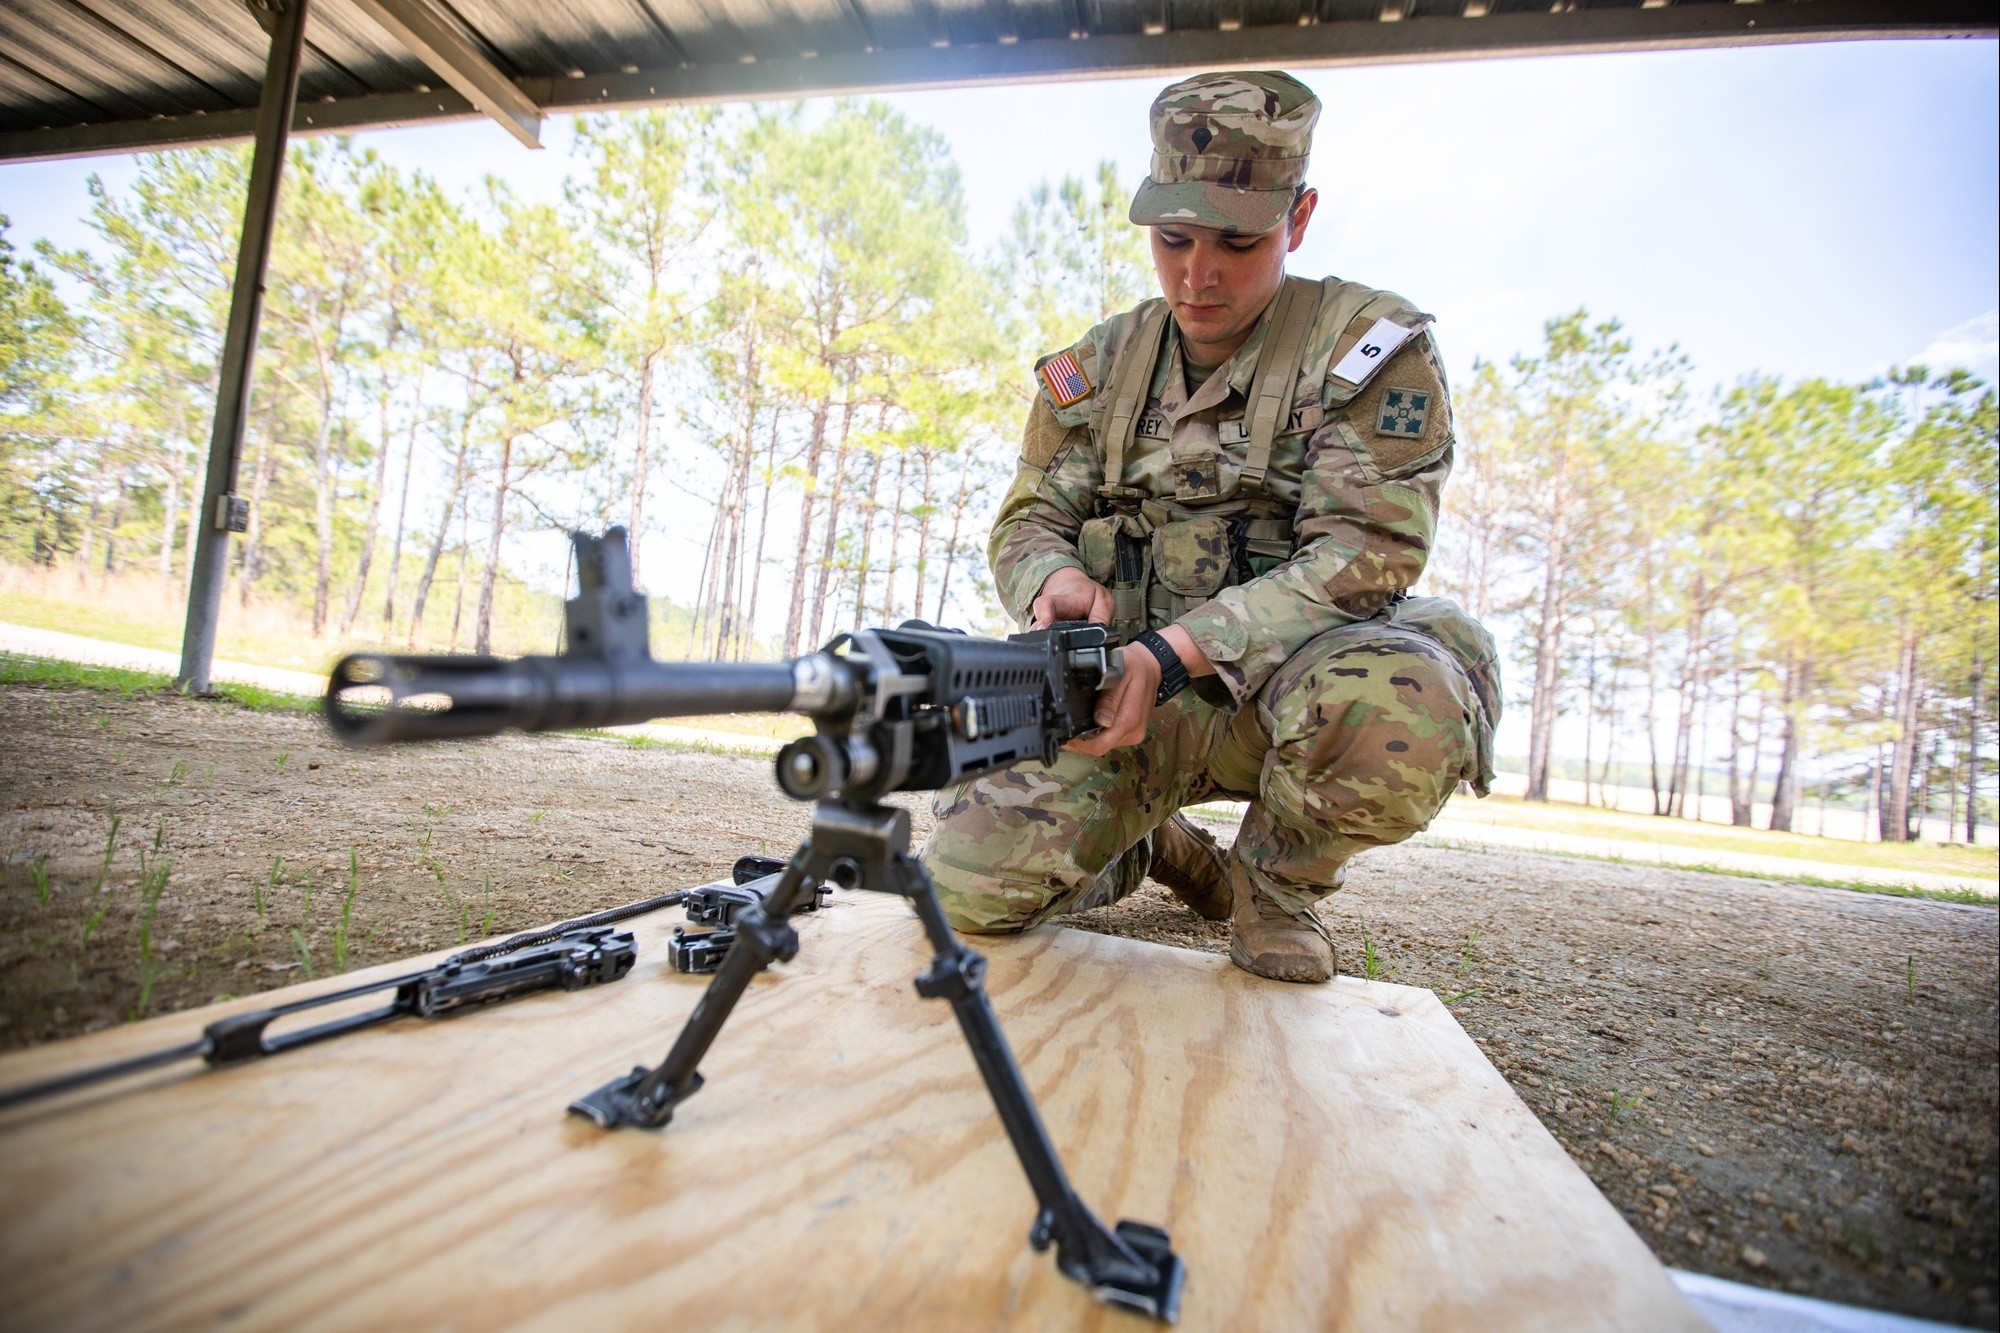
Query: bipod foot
(1133, 1267)
(621, 1101)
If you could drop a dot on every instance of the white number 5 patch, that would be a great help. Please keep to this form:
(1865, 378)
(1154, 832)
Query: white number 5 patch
(1376, 346)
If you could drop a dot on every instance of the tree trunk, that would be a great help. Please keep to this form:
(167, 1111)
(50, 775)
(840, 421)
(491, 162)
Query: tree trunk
(736, 496)
(1589, 707)
(1757, 764)
(1785, 791)
(371, 525)
(1548, 674)
(451, 502)
(1700, 785)
(1972, 752)
(464, 551)
(958, 505)
(872, 508)
(1875, 795)
(402, 515)
(483, 627)
(171, 513)
(1895, 824)
(1606, 769)
(1741, 799)
(763, 527)
(833, 505)
(322, 482)
(252, 567)
(815, 445)
(729, 641)
(925, 510)
(90, 525)
(1921, 799)
(895, 539)
(111, 529)
(190, 517)
(705, 591)
(641, 460)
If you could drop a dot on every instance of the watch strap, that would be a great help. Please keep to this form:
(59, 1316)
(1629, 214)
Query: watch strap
(1173, 672)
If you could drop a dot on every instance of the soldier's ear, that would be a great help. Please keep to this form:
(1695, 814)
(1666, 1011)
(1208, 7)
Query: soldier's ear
(1301, 214)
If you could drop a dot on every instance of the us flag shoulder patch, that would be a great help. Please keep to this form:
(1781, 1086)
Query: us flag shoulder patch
(1065, 380)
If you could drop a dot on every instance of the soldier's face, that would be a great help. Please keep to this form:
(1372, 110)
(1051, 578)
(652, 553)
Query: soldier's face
(1217, 283)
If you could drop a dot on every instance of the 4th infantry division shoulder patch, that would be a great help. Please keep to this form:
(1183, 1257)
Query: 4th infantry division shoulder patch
(1065, 380)
(1404, 412)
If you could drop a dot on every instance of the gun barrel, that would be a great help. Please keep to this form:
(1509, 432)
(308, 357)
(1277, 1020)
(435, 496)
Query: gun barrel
(379, 698)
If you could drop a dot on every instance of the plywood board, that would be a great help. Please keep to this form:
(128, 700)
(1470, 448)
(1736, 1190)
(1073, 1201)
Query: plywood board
(1335, 1156)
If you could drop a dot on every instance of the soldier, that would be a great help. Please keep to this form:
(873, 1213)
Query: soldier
(1242, 478)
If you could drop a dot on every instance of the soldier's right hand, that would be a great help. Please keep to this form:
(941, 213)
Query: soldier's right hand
(1070, 594)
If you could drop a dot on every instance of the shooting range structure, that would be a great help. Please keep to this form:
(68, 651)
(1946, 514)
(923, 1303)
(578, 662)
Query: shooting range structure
(1337, 1156)
(79, 77)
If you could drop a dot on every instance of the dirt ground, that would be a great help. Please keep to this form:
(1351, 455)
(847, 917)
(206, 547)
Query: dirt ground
(1789, 1086)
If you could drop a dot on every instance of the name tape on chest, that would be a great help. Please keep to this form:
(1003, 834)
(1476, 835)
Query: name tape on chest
(1377, 345)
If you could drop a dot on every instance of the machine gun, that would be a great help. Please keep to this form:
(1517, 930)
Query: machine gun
(908, 709)
(569, 955)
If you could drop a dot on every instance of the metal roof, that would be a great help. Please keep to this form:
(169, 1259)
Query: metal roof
(89, 76)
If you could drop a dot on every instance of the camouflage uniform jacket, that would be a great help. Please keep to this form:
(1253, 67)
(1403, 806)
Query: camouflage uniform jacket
(1357, 468)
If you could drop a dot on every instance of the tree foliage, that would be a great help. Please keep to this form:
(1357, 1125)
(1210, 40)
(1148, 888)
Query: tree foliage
(1804, 581)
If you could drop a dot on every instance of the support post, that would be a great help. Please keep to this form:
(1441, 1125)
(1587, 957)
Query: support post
(222, 511)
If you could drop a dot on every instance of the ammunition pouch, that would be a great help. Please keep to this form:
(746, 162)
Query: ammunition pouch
(1160, 561)
(1194, 557)
(1097, 545)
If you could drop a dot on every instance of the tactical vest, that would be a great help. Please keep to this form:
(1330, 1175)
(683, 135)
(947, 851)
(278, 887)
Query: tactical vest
(1164, 555)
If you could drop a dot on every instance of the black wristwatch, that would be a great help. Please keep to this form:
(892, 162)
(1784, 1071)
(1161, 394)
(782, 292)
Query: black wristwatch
(1173, 674)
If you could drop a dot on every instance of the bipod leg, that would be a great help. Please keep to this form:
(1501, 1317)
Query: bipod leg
(1133, 1266)
(647, 1097)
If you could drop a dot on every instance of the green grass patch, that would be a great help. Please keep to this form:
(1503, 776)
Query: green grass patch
(1971, 897)
(640, 742)
(1625, 826)
(157, 631)
(46, 673)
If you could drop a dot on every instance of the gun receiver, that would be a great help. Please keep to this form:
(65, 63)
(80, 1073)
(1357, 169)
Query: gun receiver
(913, 708)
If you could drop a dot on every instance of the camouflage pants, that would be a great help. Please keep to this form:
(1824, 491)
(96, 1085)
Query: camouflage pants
(1356, 742)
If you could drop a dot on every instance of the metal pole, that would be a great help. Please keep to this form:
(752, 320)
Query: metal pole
(222, 511)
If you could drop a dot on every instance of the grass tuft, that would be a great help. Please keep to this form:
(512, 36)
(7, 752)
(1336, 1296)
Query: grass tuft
(1371, 957)
(153, 874)
(257, 891)
(46, 673)
(96, 917)
(346, 911)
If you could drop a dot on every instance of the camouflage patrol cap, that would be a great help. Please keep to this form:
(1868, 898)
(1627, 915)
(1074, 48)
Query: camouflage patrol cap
(1229, 151)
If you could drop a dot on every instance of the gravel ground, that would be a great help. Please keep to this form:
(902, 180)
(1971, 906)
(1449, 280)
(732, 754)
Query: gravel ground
(1784, 1085)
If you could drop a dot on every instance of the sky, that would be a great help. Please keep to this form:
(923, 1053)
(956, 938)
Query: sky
(1816, 210)
(1794, 210)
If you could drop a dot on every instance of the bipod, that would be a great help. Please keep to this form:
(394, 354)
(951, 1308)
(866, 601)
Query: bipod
(867, 846)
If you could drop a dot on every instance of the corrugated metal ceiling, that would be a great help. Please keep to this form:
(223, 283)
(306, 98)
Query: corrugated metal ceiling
(80, 76)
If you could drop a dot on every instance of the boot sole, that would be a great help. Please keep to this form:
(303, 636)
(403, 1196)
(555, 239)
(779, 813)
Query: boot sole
(1278, 968)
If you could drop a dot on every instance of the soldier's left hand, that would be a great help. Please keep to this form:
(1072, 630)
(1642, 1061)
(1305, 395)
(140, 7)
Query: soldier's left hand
(1124, 709)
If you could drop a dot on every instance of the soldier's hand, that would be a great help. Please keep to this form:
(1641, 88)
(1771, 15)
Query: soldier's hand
(1126, 707)
(1070, 594)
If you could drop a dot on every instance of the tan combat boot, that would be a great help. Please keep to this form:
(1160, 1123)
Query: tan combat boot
(1269, 941)
(1186, 860)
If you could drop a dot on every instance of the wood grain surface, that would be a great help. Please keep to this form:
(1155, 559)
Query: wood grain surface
(1325, 1156)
